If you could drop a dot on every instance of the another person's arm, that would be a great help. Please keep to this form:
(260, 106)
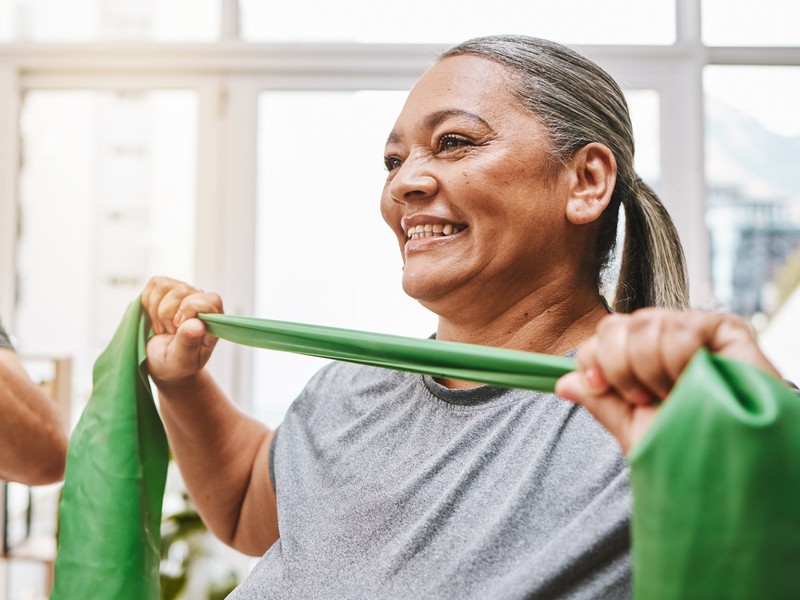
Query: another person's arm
(222, 453)
(33, 440)
(637, 358)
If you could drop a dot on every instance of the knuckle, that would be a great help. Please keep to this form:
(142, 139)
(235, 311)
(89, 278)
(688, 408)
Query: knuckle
(584, 359)
(215, 299)
(610, 323)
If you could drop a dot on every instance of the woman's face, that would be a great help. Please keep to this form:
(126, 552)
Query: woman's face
(468, 163)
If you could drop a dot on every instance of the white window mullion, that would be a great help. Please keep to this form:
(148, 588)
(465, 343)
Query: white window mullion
(239, 200)
(9, 169)
(230, 24)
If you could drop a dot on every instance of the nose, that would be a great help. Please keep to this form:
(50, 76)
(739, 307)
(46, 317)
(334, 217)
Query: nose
(413, 181)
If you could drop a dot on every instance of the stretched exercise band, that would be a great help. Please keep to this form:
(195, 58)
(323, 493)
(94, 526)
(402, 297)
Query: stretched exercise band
(716, 479)
(493, 366)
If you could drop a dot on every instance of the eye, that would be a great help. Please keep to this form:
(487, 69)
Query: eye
(450, 142)
(392, 163)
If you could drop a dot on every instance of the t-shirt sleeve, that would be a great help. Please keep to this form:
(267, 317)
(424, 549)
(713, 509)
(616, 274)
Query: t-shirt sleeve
(272, 459)
(4, 341)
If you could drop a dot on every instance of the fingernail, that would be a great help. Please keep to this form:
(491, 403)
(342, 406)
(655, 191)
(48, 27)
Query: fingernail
(176, 320)
(595, 379)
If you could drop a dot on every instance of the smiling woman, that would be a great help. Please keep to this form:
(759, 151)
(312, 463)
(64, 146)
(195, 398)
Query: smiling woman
(507, 167)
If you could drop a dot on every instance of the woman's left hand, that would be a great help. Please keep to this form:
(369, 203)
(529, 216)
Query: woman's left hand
(634, 360)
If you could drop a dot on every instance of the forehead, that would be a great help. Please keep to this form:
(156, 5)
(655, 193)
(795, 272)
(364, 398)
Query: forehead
(461, 83)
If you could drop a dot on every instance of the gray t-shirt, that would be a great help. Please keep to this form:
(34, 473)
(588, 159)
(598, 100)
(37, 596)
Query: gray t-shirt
(390, 485)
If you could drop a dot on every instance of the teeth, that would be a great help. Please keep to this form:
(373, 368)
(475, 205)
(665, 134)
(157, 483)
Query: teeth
(426, 231)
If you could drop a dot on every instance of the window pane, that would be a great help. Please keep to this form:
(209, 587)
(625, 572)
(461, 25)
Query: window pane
(107, 194)
(418, 21)
(748, 23)
(645, 110)
(752, 158)
(324, 254)
(96, 20)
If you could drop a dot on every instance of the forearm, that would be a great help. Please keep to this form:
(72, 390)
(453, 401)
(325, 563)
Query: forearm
(223, 456)
(33, 440)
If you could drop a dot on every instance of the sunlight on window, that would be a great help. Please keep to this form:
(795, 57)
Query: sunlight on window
(101, 20)
(753, 214)
(324, 254)
(748, 23)
(420, 21)
(106, 201)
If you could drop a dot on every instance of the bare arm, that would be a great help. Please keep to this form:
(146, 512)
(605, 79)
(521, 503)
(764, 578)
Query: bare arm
(222, 453)
(33, 440)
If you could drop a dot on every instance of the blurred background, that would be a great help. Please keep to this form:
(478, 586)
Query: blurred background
(238, 145)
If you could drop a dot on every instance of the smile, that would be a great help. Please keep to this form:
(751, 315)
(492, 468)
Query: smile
(426, 231)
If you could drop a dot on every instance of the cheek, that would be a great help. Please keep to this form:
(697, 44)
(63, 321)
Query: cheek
(390, 211)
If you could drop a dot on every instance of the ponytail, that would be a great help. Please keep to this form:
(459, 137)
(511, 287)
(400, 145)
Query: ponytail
(653, 271)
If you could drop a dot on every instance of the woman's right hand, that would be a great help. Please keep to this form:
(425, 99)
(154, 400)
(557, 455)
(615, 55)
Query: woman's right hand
(181, 346)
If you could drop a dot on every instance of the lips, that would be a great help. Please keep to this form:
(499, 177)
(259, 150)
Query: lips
(433, 230)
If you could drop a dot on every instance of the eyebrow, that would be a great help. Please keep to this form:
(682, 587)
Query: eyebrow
(434, 119)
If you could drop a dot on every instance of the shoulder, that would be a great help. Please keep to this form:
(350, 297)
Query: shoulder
(341, 384)
(355, 378)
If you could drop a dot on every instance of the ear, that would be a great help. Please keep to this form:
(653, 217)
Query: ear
(592, 172)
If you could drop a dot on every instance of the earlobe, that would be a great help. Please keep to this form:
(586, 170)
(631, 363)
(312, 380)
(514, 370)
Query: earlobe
(593, 171)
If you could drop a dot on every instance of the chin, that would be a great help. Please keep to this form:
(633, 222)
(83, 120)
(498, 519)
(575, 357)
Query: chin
(425, 288)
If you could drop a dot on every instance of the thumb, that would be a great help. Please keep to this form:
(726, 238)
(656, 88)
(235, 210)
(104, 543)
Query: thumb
(187, 346)
(570, 386)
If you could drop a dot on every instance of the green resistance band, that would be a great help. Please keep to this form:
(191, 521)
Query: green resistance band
(493, 366)
(716, 480)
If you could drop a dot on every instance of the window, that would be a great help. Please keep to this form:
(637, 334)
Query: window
(324, 254)
(104, 20)
(752, 154)
(747, 23)
(447, 22)
(106, 200)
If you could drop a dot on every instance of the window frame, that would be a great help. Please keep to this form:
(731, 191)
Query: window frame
(228, 76)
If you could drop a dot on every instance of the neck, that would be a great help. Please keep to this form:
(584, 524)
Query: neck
(546, 322)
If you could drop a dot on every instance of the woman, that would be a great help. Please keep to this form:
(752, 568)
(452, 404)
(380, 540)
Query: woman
(506, 171)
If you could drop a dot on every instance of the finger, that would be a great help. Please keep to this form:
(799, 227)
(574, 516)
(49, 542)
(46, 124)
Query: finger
(193, 305)
(683, 335)
(589, 367)
(171, 301)
(733, 338)
(192, 334)
(154, 292)
(644, 352)
(186, 347)
(614, 359)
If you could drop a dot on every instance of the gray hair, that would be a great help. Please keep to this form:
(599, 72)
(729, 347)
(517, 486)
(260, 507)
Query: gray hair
(579, 103)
